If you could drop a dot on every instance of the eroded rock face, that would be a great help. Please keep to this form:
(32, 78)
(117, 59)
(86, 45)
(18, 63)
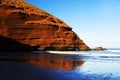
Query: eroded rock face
(99, 48)
(32, 26)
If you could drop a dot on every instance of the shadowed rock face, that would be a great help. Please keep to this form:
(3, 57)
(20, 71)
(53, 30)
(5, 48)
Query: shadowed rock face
(8, 44)
(32, 26)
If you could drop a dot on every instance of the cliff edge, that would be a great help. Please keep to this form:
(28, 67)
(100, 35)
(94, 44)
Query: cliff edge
(31, 26)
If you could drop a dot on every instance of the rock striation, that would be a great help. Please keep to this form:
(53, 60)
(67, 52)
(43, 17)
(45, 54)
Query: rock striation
(29, 25)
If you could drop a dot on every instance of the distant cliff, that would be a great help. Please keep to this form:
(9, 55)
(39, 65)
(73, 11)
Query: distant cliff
(31, 26)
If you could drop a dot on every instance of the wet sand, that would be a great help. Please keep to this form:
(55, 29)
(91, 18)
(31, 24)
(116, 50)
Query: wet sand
(45, 66)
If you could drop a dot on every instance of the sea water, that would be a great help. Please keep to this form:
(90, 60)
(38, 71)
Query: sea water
(61, 65)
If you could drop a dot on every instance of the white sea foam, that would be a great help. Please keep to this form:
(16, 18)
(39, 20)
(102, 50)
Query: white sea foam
(104, 54)
(69, 52)
(87, 53)
(113, 50)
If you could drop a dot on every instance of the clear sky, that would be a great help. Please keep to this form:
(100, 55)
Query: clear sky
(97, 22)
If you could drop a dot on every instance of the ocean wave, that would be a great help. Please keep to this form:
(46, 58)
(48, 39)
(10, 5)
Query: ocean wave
(87, 53)
(104, 54)
(114, 51)
(70, 52)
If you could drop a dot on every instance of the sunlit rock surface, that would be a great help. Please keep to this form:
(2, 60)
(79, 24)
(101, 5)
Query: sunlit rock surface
(99, 48)
(31, 26)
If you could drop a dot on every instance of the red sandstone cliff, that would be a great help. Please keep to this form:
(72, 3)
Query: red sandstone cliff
(29, 25)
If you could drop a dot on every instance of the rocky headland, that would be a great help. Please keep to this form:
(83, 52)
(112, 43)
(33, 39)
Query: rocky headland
(23, 26)
(99, 48)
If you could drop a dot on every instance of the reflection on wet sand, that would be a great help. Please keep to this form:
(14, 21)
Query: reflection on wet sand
(43, 60)
(57, 64)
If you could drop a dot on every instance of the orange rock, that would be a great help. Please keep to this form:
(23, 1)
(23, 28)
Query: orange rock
(99, 48)
(32, 26)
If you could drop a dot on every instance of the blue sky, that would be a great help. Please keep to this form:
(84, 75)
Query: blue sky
(97, 22)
